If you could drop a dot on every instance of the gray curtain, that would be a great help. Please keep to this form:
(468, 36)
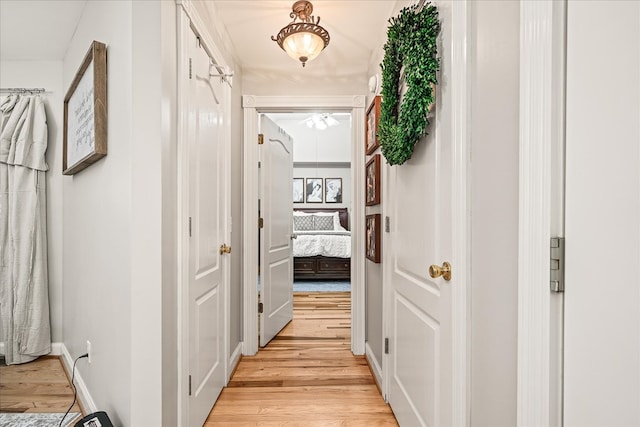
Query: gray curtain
(24, 294)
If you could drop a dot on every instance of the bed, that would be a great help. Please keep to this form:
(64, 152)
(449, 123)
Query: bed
(320, 251)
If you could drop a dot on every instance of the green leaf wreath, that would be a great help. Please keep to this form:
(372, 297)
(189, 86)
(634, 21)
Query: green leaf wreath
(412, 43)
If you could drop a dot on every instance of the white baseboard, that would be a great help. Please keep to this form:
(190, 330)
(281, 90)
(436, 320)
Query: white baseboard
(375, 366)
(86, 400)
(234, 359)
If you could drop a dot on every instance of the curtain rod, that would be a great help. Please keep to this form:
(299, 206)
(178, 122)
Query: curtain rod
(22, 90)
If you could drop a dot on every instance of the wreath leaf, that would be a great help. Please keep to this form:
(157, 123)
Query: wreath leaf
(412, 44)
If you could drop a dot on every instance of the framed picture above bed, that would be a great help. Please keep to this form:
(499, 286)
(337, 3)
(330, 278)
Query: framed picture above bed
(372, 236)
(298, 190)
(372, 181)
(314, 190)
(333, 190)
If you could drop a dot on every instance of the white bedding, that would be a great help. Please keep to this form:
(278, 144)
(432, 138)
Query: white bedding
(326, 243)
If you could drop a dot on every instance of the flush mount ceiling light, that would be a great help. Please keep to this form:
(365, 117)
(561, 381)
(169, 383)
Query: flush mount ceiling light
(303, 39)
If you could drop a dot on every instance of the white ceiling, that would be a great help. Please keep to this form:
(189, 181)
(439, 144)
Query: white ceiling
(18, 19)
(356, 29)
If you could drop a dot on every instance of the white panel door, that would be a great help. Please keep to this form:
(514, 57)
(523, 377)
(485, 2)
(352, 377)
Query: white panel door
(420, 312)
(276, 250)
(602, 291)
(207, 218)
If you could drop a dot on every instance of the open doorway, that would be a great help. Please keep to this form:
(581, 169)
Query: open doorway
(351, 109)
(321, 199)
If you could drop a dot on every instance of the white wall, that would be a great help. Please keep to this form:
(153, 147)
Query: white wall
(314, 145)
(602, 298)
(494, 158)
(97, 222)
(48, 75)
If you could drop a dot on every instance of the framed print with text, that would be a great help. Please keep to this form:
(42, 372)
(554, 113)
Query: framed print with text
(85, 113)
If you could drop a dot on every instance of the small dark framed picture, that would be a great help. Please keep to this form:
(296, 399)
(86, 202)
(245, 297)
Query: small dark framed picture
(371, 126)
(298, 190)
(314, 190)
(333, 190)
(372, 180)
(372, 244)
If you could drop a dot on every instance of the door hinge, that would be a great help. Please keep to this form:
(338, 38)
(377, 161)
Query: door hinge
(386, 346)
(260, 308)
(387, 224)
(260, 222)
(557, 264)
(190, 67)
(189, 385)
(189, 226)
(260, 139)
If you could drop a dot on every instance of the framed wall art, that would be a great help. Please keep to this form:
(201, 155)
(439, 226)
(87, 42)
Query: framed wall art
(85, 113)
(314, 190)
(333, 190)
(298, 190)
(373, 248)
(372, 181)
(371, 126)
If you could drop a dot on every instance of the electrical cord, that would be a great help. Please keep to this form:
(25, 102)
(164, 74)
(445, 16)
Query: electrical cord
(75, 391)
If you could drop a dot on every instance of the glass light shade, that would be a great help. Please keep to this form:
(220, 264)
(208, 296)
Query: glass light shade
(303, 46)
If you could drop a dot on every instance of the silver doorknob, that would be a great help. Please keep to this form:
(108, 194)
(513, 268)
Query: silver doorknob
(436, 271)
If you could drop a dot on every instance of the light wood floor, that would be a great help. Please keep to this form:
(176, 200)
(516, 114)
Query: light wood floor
(38, 386)
(307, 376)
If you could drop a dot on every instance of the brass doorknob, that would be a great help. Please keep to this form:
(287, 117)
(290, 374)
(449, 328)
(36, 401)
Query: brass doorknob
(436, 271)
(224, 249)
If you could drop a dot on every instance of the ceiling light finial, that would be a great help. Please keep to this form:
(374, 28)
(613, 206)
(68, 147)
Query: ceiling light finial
(303, 39)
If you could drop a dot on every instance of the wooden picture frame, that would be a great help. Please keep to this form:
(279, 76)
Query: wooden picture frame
(373, 249)
(333, 190)
(372, 181)
(85, 113)
(298, 190)
(371, 126)
(314, 190)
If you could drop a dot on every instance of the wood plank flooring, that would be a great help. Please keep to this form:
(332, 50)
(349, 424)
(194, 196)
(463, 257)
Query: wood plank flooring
(307, 376)
(38, 386)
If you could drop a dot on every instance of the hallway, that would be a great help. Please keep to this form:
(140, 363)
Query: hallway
(306, 375)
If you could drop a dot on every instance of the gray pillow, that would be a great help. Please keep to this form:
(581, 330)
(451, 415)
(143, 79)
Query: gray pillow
(303, 223)
(323, 222)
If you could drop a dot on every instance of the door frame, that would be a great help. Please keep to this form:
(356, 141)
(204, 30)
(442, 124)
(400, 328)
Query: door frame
(189, 20)
(253, 105)
(541, 201)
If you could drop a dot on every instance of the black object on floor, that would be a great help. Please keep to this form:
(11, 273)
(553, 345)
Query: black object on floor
(97, 419)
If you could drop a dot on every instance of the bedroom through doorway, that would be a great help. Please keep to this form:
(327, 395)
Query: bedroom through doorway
(321, 198)
(321, 203)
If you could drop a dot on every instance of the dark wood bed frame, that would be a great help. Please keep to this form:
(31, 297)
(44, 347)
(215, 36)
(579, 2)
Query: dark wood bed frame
(321, 267)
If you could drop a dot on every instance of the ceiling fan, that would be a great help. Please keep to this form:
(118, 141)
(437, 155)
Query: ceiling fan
(320, 121)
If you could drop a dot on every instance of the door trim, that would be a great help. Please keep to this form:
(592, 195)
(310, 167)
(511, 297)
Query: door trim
(252, 105)
(542, 42)
(461, 218)
(190, 20)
